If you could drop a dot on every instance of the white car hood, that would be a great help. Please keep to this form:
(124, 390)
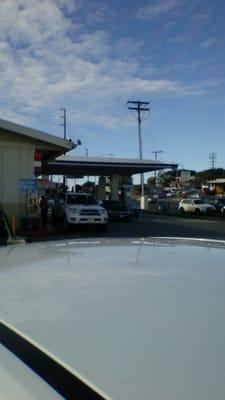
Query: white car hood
(140, 319)
(85, 206)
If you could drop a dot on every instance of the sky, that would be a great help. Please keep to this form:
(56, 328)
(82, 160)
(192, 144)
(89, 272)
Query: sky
(93, 56)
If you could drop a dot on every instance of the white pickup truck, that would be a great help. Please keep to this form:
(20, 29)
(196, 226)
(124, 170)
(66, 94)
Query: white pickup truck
(78, 208)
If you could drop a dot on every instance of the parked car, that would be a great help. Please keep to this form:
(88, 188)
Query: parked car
(163, 207)
(153, 198)
(78, 208)
(219, 204)
(195, 206)
(116, 210)
(134, 207)
(171, 194)
(191, 194)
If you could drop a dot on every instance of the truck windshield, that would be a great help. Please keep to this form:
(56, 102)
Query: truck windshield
(81, 199)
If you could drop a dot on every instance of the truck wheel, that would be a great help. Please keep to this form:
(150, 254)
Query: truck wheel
(182, 210)
(197, 211)
(65, 224)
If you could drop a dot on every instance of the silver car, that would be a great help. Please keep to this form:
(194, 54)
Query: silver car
(195, 206)
(113, 319)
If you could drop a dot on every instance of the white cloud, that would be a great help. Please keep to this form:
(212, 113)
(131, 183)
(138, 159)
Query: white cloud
(157, 8)
(31, 23)
(44, 66)
(68, 5)
(179, 38)
(126, 47)
(177, 68)
(208, 43)
(97, 13)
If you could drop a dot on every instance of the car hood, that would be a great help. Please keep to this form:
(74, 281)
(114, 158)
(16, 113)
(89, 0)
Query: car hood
(87, 206)
(139, 318)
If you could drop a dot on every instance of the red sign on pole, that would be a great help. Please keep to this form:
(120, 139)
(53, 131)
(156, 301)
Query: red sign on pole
(37, 163)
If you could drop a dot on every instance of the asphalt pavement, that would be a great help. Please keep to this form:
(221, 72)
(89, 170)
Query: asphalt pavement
(150, 225)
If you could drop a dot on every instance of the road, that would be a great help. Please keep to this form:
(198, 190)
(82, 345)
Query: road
(162, 225)
(150, 225)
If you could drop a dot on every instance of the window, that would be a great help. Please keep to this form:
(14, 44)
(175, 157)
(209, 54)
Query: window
(80, 199)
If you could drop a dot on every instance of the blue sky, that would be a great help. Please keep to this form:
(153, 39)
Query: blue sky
(92, 56)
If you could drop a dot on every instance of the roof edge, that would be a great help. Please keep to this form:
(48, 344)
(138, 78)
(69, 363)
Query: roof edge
(36, 134)
(112, 160)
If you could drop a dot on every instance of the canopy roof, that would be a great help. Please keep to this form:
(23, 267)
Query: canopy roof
(97, 166)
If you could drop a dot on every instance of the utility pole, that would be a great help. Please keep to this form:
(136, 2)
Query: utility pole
(64, 121)
(64, 136)
(212, 160)
(140, 107)
(86, 154)
(156, 152)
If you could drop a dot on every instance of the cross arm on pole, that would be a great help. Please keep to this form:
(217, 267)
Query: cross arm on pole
(135, 108)
(138, 102)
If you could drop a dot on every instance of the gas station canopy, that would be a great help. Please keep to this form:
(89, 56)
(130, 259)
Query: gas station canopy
(99, 166)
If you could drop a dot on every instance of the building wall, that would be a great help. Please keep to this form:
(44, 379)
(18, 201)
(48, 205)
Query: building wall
(220, 188)
(16, 162)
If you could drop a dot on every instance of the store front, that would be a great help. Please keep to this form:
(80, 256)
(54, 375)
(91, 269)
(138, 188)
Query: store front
(19, 166)
(26, 153)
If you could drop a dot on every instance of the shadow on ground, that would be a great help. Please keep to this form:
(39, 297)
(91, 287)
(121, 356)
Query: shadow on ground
(149, 225)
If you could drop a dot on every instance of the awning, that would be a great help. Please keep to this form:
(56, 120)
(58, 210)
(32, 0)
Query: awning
(99, 166)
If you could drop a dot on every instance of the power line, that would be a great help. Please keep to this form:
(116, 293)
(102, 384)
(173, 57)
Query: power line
(64, 135)
(212, 160)
(156, 152)
(64, 121)
(141, 107)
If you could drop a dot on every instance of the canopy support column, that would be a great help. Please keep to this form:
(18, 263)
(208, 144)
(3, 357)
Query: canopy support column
(101, 188)
(114, 184)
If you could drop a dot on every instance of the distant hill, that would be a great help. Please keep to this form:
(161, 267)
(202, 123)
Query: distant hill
(211, 174)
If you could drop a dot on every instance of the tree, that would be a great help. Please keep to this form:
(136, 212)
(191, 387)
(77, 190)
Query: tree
(210, 174)
(126, 180)
(151, 181)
